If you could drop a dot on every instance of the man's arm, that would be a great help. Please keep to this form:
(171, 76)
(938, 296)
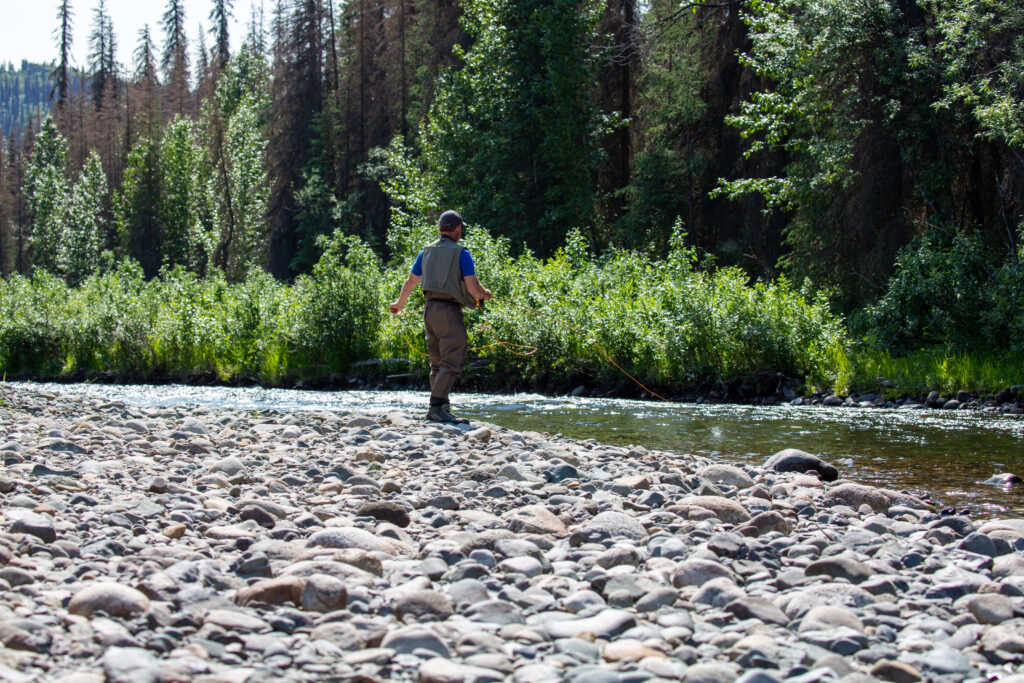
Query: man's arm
(477, 290)
(407, 288)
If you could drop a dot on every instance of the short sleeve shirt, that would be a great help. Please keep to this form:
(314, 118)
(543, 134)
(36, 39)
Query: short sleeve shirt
(465, 264)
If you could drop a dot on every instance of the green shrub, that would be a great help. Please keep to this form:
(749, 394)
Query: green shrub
(663, 321)
(338, 310)
(942, 292)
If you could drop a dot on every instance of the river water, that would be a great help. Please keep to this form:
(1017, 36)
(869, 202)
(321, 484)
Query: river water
(945, 454)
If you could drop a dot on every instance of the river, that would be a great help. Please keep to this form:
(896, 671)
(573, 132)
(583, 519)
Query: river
(947, 454)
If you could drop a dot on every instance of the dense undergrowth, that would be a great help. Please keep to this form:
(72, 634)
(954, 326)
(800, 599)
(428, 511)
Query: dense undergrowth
(667, 322)
(675, 326)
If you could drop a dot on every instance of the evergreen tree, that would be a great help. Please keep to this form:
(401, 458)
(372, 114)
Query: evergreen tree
(146, 85)
(512, 136)
(47, 194)
(256, 36)
(6, 234)
(61, 78)
(174, 60)
(137, 206)
(189, 239)
(220, 17)
(298, 100)
(102, 50)
(79, 252)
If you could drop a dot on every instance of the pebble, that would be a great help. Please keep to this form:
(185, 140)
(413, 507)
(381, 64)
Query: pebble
(224, 545)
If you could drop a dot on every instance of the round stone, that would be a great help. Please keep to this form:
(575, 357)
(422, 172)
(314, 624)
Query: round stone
(114, 599)
(385, 510)
(697, 572)
(726, 474)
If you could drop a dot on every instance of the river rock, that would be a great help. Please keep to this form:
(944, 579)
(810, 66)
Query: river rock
(697, 572)
(112, 598)
(856, 495)
(605, 624)
(606, 526)
(800, 602)
(385, 510)
(726, 474)
(1005, 480)
(795, 460)
(273, 591)
(630, 649)
(424, 605)
(392, 549)
(895, 671)
(727, 510)
(410, 638)
(38, 525)
(130, 665)
(354, 537)
(765, 522)
(825, 617)
(535, 519)
(843, 566)
(757, 608)
(988, 608)
(323, 593)
(718, 592)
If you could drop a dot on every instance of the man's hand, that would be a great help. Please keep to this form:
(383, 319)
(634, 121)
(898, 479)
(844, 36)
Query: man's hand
(396, 307)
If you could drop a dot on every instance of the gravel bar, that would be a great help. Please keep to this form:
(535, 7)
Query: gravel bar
(145, 544)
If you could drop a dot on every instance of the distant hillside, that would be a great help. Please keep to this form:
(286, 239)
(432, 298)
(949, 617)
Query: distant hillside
(24, 94)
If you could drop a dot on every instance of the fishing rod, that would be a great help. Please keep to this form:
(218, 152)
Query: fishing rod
(511, 347)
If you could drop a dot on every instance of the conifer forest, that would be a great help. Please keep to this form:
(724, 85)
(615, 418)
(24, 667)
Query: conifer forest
(828, 191)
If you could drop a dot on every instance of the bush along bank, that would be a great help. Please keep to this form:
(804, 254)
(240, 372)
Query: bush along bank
(676, 328)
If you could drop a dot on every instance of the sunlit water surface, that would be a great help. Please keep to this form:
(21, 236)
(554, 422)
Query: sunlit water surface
(947, 454)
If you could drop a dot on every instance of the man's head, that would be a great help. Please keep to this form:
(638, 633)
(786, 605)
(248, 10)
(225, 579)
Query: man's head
(449, 222)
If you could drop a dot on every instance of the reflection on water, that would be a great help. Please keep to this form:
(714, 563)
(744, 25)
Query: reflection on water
(946, 453)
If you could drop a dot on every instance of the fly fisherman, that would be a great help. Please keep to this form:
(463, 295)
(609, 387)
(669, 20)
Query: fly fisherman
(449, 284)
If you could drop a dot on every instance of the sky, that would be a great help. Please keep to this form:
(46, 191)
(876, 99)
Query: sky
(26, 31)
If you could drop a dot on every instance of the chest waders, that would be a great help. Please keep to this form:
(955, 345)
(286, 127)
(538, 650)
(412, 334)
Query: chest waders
(446, 293)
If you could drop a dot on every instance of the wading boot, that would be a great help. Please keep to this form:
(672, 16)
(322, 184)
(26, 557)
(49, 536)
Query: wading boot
(443, 413)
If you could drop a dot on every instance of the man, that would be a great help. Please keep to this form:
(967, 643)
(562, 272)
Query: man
(449, 284)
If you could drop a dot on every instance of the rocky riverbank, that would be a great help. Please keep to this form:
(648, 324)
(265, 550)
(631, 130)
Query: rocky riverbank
(188, 544)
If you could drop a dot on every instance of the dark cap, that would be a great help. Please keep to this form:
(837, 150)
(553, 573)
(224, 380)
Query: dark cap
(449, 221)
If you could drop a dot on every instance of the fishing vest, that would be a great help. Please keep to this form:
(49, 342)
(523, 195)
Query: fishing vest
(442, 277)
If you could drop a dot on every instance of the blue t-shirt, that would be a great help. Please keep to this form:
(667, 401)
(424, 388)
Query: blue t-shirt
(465, 264)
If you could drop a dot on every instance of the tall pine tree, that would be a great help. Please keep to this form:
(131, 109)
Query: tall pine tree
(298, 100)
(174, 60)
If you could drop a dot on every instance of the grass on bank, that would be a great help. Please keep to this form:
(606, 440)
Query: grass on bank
(947, 371)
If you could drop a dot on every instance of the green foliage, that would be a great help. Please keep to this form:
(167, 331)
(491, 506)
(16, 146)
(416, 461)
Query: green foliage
(188, 235)
(136, 207)
(47, 193)
(79, 251)
(340, 307)
(665, 322)
(511, 137)
(241, 183)
(982, 52)
(939, 369)
(945, 292)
